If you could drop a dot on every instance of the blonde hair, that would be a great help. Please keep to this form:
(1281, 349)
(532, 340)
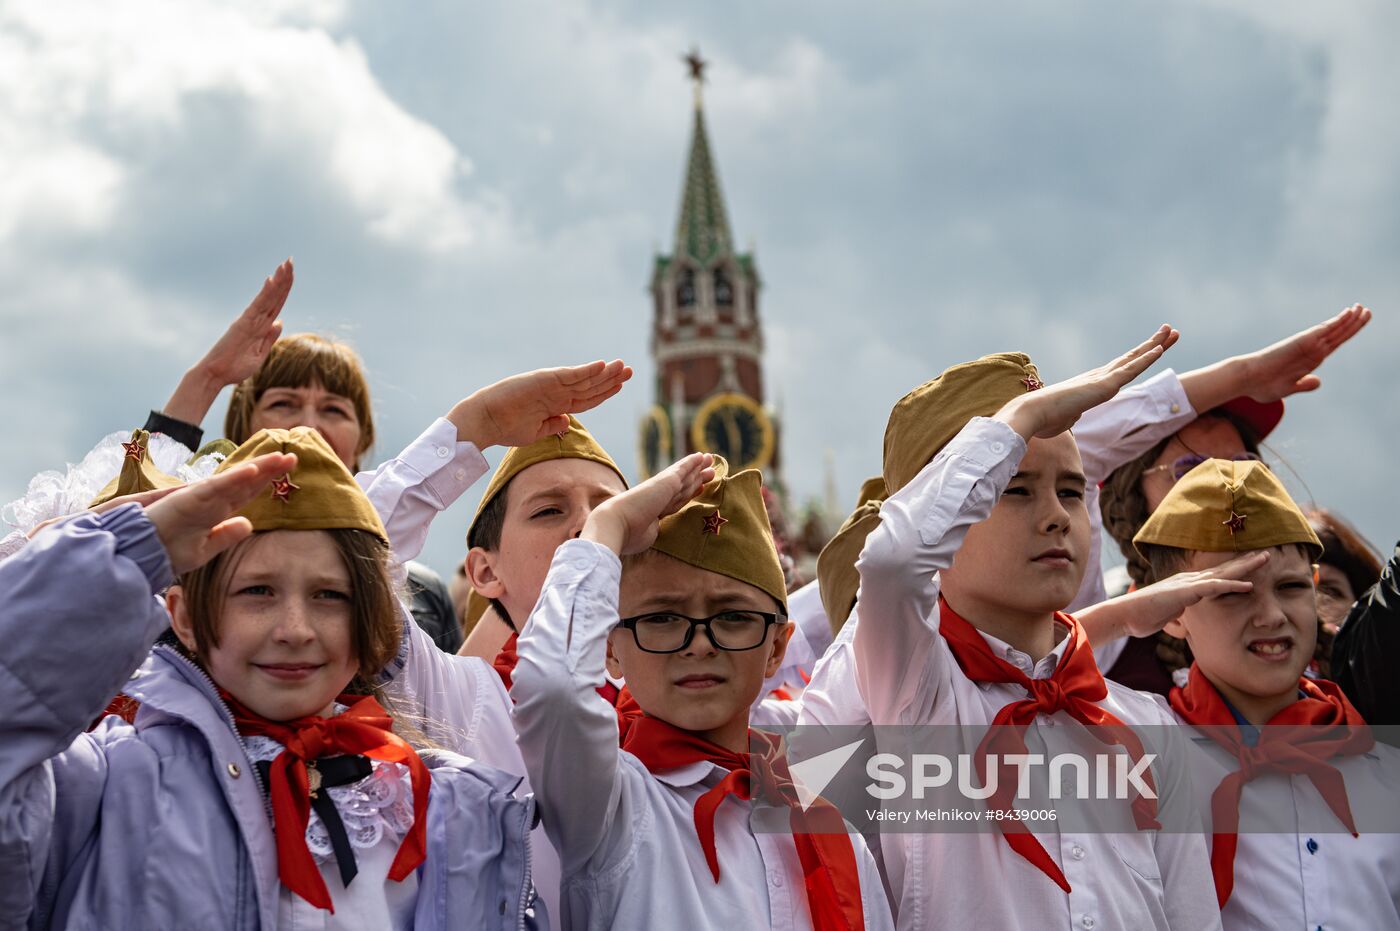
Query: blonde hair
(297, 361)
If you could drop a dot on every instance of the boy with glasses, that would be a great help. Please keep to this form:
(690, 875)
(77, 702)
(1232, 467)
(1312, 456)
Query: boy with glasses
(658, 833)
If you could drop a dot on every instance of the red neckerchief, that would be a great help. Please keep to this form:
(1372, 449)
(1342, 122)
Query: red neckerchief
(363, 728)
(1075, 687)
(823, 846)
(1324, 725)
(505, 661)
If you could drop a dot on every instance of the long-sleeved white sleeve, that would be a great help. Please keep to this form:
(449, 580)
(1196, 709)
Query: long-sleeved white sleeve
(1109, 436)
(424, 480)
(898, 672)
(567, 731)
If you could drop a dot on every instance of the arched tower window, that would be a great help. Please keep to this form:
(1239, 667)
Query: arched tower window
(724, 290)
(685, 288)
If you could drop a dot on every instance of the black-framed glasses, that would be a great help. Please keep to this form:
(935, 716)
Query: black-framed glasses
(669, 632)
(1186, 463)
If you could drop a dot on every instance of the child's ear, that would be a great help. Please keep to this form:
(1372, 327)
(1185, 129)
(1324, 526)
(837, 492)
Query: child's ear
(1175, 628)
(780, 644)
(613, 664)
(481, 572)
(180, 617)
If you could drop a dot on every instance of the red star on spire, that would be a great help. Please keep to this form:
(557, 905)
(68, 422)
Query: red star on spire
(134, 449)
(1235, 522)
(713, 523)
(1032, 383)
(282, 488)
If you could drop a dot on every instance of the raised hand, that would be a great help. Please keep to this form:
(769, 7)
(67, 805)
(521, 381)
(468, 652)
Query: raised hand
(1286, 367)
(1055, 408)
(1144, 612)
(521, 409)
(629, 522)
(237, 354)
(196, 523)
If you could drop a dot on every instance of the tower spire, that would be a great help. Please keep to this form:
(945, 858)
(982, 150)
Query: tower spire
(702, 231)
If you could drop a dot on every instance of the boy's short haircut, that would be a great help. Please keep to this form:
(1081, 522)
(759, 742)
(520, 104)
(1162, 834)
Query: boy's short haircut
(1163, 562)
(486, 530)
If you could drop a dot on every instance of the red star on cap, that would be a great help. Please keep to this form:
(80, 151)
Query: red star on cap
(1235, 523)
(282, 488)
(134, 449)
(713, 523)
(1032, 383)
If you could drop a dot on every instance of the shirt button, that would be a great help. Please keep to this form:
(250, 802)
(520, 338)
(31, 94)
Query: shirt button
(460, 475)
(443, 452)
(776, 879)
(234, 771)
(1312, 845)
(1077, 852)
(1176, 408)
(998, 447)
(1087, 921)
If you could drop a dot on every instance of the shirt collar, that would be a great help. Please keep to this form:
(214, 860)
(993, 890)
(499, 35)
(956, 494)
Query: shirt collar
(689, 774)
(1022, 661)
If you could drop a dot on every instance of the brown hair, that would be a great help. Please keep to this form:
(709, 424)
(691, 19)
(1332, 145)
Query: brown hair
(297, 361)
(1346, 550)
(374, 616)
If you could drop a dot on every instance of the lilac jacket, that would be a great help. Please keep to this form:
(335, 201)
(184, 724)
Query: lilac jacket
(164, 825)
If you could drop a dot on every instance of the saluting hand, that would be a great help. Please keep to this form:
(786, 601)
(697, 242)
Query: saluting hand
(237, 354)
(1286, 367)
(521, 409)
(195, 522)
(629, 522)
(1055, 408)
(1149, 609)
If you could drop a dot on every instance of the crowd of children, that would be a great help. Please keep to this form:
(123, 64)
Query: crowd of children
(234, 701)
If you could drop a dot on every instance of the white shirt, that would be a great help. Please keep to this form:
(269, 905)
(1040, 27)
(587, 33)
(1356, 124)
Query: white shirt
(626, 837)
(462, 698)
(1320, 876)
(1115, 432)
(906, 674)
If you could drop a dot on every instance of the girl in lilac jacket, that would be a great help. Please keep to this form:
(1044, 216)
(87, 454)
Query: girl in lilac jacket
(261, 785)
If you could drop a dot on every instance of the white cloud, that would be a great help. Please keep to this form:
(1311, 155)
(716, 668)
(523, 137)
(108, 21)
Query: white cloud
(85, 84)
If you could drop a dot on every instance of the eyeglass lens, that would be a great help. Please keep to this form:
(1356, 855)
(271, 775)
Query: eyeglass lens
(732, 630)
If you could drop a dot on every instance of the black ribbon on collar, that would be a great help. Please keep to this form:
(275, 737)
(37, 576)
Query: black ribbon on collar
(335, 771)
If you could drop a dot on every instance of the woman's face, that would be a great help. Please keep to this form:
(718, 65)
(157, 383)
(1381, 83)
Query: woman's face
(1334, 596)
(1207, 437)
(332, 415)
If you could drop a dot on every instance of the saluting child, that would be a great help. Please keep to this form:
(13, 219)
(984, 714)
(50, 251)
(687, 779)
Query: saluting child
(980, 547)
(1300, 799)
(658, 834)
(539, 496)
(262, 783)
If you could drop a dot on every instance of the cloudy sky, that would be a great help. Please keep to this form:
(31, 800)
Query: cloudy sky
(475, 189)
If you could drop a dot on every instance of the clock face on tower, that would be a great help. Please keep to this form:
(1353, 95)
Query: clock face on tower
(736, 427)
